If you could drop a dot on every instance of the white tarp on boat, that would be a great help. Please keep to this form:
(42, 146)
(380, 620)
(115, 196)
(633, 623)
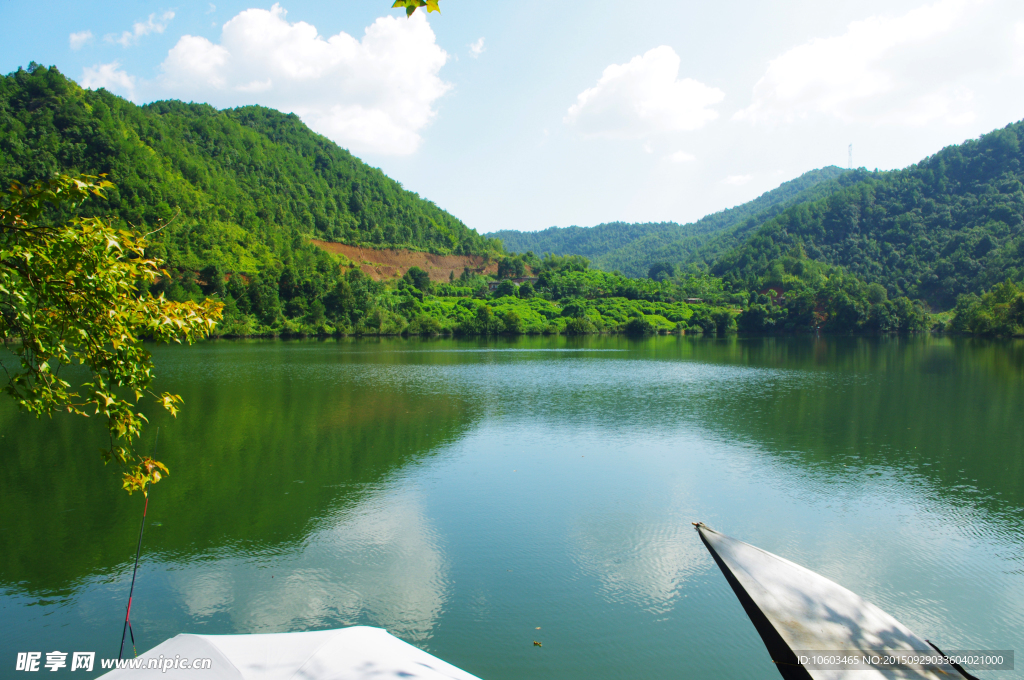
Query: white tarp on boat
(357, 653)
(809, 612)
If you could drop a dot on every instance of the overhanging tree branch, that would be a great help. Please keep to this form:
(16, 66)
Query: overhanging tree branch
(69, 294)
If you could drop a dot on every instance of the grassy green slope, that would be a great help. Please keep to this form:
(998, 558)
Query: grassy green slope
(633, 248)
(949, 225)
(251, 183)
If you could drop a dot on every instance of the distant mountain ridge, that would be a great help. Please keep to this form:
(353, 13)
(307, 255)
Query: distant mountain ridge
(633, 248)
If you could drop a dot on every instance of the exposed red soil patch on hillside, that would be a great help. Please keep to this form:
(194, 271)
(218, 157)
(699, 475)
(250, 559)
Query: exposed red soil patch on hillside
(391, 264)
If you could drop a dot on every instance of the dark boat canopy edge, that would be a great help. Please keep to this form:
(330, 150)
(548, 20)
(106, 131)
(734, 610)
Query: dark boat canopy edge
(782, 654)
(783, 657)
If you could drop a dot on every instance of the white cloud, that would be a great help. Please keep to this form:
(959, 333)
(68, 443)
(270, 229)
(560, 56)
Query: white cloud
(681, 157)
(378, 561)
(78, 40)
(737, 180)
(140, 30)
(196, 63)
(477, 48)
(644, 97)
(908, 69)
(370, 95)
(110, 76)
(641, 563)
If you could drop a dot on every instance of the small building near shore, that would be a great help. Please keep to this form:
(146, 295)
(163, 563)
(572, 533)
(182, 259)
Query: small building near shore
(532, 280)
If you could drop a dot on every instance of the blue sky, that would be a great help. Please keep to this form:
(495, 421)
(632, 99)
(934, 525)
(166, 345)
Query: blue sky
(529, 114)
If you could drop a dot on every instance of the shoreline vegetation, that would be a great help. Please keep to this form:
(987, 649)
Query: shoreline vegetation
(329, 297)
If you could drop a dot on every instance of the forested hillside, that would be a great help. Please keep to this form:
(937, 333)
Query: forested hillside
(250, 183)
(633, 248)
(949, 225)
(233, 199)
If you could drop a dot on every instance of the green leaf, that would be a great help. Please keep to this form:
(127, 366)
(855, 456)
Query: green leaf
(81, 302)
(411, 5)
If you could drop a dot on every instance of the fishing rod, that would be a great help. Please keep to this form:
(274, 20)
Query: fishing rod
(127, 621)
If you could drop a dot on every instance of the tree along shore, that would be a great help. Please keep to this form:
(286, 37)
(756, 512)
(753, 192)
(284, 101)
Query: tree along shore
(556, 295)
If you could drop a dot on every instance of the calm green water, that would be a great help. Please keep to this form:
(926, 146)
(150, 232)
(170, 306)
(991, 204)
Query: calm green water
(474, 496)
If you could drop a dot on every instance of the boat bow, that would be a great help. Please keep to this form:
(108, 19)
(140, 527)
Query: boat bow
(798, 612)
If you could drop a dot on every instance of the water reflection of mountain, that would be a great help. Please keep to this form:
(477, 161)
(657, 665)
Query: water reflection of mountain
(931, 407)
(923, 407)
(464, 498)
(273, 439)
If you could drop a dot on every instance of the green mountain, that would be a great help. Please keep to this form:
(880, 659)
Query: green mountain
(949, 225)
(633, 248)
(243, 190)
(252, 184)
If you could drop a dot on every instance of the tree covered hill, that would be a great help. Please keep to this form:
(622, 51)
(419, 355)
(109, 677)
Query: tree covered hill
(633, 248)
(950, 225)
(252, 184)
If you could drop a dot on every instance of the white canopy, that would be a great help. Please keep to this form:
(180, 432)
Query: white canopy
(793, 607)
(357, 653)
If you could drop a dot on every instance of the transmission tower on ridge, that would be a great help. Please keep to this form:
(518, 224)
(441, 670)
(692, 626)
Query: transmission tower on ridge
(850, 157)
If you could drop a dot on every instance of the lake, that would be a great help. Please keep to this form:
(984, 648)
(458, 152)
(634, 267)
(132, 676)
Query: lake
(475, 496)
